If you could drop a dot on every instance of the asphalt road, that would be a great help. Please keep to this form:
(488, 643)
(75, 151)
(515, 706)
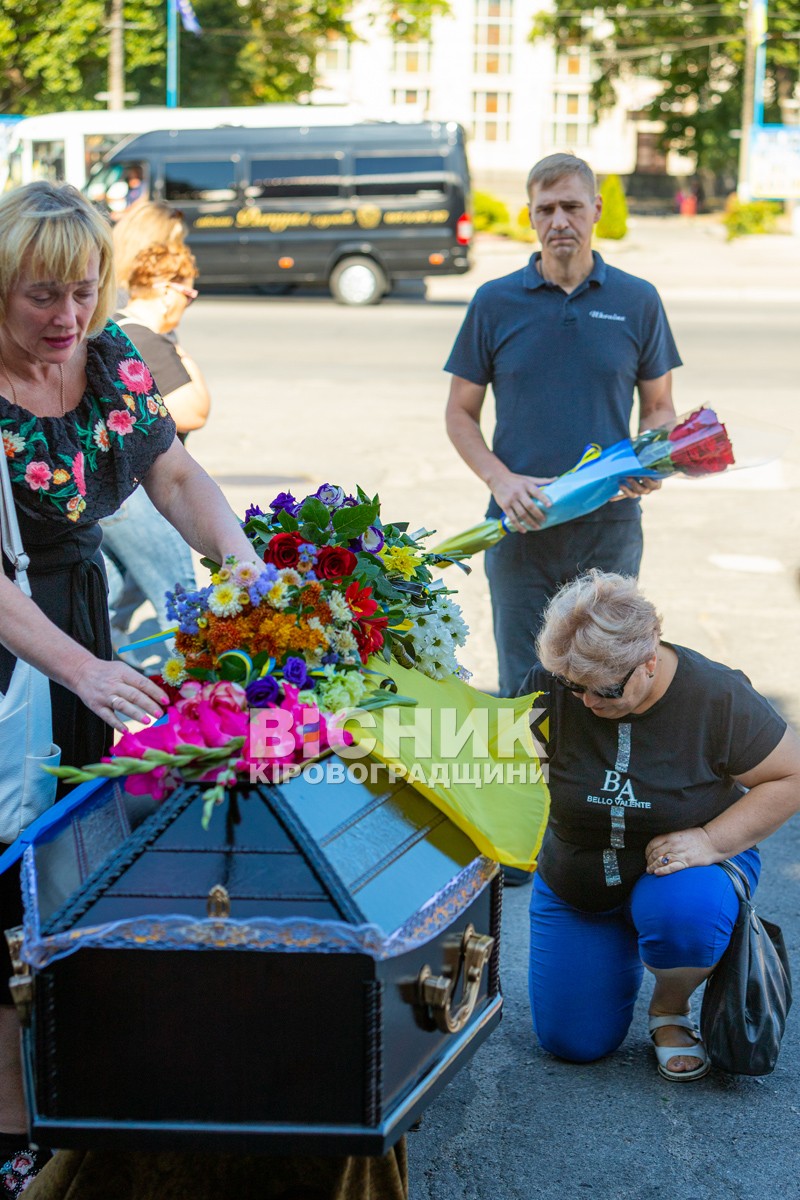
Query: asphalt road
(306, 391)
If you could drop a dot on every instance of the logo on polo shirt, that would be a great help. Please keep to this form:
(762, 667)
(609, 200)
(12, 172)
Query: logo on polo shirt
(601, 316)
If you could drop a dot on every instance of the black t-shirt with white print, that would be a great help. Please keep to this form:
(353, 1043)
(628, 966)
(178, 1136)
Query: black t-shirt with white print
(615, 784)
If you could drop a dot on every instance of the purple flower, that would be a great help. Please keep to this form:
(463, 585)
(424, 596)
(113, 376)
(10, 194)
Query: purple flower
(307, 552)
(295, 672)
(253, 511)
(330, 495)
(372, 539)
(331, 658)
(284, 502)
(264, 692)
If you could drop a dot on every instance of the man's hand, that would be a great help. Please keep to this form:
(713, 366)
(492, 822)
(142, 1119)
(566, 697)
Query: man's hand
(629, 489)
(670, 852)
(516, 495)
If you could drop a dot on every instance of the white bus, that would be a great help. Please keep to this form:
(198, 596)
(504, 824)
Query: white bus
(66, 146)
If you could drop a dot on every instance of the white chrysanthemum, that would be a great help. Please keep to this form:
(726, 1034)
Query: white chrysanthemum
(340, 609)
(435, 633)
(225, 600)
(173, 670)
(343, 642)
(290, 577)
(278, 595)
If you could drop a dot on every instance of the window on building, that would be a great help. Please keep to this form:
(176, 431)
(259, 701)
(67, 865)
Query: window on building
(568, 135)
(492, 9)
(492, 121)
(574, 61)
(492, 63)
(417, 96)
(411, 58)
(335, 56)
(202, 182)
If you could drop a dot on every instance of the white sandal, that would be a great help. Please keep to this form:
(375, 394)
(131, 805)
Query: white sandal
(665, 1053)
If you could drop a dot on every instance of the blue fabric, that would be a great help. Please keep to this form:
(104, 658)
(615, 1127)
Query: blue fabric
(526, 569)
(586, 968)
(563, 368)
(145, 557)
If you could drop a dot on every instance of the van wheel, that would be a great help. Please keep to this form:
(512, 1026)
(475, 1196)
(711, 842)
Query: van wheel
(358, 281)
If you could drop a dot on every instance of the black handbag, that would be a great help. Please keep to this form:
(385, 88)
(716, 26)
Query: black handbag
(749, 994)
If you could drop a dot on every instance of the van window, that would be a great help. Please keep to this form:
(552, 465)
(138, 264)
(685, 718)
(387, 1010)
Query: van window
(274, 178)
(203, 182)
(399, 175)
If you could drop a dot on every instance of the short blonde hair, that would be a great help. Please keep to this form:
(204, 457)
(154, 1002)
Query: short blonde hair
(549, 170)
(159, 264)
(597, 628)
(55, 229)
(148, 223)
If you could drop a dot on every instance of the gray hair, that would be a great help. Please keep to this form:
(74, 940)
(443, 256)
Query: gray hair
(549, 170)
(597, 628)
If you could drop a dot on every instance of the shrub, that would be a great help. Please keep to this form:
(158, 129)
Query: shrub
(757, 216)
(488, 211)
(613, 221)
(524, 217)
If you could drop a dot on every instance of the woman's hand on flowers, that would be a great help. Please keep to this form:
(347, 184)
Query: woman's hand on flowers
(117, 693)
(517, 496)
(672, 852)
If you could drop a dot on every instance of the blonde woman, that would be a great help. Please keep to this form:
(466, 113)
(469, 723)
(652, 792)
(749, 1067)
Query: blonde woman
(82, 424)
(662, 764)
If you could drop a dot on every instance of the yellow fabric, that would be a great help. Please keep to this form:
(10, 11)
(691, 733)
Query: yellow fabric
(506, 820)
(471, 541)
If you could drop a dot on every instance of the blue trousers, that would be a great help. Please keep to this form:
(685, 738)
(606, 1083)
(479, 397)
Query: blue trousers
(525, 570)
(586, 968)
(145, 557)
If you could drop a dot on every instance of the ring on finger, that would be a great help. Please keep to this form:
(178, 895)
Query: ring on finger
(114, 703)
(664, 860)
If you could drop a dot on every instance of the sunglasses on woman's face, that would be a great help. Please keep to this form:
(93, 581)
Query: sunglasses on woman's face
(614, 691)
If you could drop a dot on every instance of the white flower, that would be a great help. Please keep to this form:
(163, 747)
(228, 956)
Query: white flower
(12, 443)
(225, 600)
(340, 609)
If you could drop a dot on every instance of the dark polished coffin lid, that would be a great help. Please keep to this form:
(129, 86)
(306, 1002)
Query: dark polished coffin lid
(353, 976)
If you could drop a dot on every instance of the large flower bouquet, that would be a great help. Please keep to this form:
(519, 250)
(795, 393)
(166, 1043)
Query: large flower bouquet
(693, 445)
(330, 588)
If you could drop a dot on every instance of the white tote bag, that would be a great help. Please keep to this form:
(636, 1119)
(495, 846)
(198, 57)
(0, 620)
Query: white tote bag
(26, 727)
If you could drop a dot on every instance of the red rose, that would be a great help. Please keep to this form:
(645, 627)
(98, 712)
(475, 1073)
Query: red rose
(369, 635)
(282, 550)
(334, 562)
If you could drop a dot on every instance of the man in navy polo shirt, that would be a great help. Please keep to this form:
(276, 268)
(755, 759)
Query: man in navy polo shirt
(564, 344)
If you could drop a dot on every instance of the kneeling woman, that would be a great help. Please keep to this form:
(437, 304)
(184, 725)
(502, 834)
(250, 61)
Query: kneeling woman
(662, 763)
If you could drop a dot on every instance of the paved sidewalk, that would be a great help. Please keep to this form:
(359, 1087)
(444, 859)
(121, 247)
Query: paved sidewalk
(681, 256)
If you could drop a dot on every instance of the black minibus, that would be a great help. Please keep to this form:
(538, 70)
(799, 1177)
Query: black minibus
(354, 207)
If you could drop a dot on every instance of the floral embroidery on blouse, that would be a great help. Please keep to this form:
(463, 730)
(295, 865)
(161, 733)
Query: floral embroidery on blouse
(89, 461)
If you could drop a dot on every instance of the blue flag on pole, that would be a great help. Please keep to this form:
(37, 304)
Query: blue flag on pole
(188, 19)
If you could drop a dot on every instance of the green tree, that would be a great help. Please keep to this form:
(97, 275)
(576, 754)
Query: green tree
(696, 53)
(54, 53)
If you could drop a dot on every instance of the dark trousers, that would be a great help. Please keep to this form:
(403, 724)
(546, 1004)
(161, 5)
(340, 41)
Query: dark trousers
(526, 570)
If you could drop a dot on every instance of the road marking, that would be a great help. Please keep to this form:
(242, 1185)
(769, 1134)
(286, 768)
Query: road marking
(753, 564)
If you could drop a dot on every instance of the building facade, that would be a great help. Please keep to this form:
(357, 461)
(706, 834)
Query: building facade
(518, 100)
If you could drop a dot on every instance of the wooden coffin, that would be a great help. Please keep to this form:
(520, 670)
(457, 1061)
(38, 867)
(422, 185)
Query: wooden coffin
(308, 973)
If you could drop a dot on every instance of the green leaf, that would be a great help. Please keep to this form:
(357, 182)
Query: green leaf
(210, 565)
(315, 513)
(287, 522)
(352, 522)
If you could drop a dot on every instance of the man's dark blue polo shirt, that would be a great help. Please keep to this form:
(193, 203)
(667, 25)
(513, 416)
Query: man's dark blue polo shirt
(563, 368)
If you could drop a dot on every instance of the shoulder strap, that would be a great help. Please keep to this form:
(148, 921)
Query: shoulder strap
(10, 537)
(738, 878)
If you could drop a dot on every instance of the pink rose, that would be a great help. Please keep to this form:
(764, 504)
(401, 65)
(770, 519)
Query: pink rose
(135, 375)
(77, 471)
(120, 422)
(38, 475)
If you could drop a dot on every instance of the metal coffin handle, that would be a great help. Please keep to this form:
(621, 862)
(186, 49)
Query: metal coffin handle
(465, 958)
